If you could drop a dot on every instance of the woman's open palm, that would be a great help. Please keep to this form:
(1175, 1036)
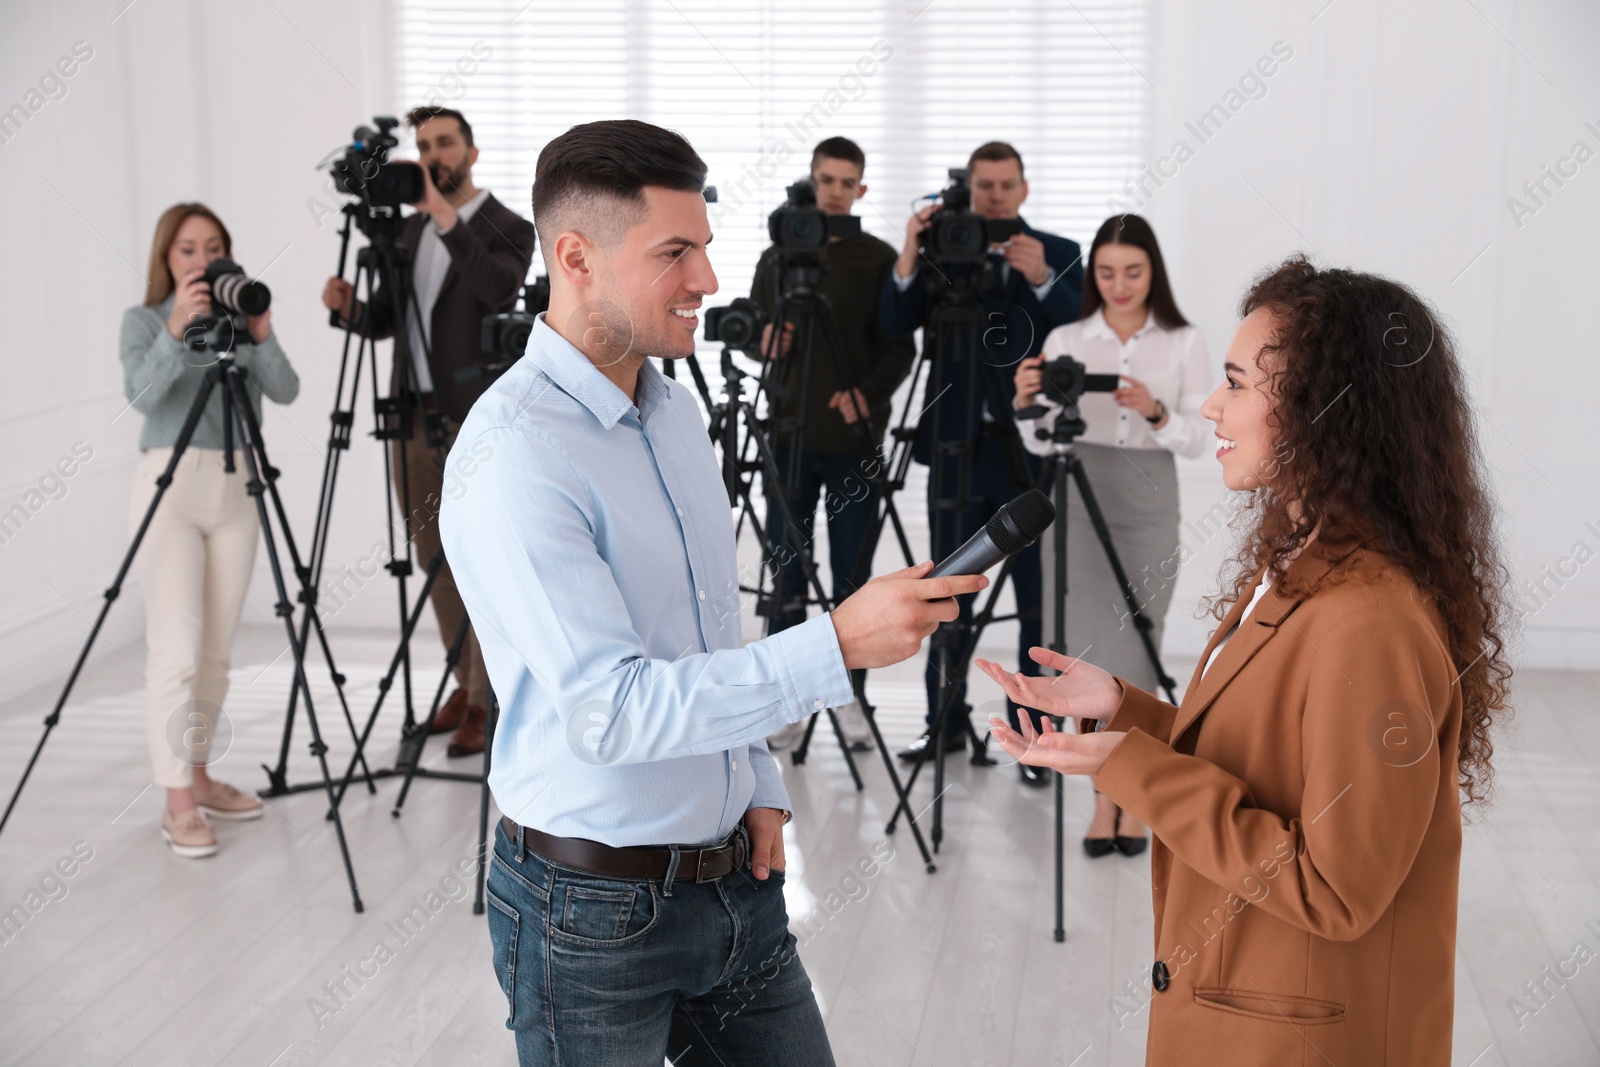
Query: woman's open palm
(1081, 690)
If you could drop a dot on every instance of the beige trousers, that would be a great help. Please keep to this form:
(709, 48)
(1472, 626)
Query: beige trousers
(194, 567)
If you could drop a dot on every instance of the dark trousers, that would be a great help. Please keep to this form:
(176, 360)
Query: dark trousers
(991, 486)
(851, 502)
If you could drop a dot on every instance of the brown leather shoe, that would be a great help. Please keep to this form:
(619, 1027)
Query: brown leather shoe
(468, 739)
(450, 713)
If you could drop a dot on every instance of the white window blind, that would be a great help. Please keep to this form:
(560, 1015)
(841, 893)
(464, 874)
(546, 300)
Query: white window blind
(755, 84)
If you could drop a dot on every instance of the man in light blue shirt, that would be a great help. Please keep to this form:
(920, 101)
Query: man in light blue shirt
(636, 904)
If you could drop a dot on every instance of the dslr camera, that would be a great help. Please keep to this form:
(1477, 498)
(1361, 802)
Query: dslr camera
(504, 336)
(798, 224)
(737, 326)
(956, 234)
(234, 297)
(1065, 381)
(366, 171)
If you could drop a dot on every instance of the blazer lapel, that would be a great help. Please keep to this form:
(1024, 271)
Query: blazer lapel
(1253, 633)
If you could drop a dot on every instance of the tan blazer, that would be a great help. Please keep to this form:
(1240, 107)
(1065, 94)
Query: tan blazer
(1307, 826)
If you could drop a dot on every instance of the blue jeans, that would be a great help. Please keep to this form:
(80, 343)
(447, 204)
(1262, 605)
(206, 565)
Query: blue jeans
(602, 972)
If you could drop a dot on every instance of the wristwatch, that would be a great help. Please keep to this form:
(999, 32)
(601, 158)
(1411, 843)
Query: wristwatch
(1161, 413)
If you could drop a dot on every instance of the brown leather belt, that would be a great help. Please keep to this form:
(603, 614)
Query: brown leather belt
(634, 864)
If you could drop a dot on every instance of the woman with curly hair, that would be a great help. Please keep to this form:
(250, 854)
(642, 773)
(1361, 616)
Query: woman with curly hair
(1306, 794)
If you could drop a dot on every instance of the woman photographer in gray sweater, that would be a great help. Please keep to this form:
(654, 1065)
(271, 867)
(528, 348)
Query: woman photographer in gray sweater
(195, 562)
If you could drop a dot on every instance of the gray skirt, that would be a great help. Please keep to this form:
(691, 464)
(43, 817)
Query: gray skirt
(1137, 490)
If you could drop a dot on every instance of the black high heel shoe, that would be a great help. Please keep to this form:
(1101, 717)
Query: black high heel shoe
(1128, 846)
(1096, 847)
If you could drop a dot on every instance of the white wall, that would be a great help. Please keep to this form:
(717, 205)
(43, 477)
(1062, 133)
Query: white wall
(1389, 141)
(229, 104)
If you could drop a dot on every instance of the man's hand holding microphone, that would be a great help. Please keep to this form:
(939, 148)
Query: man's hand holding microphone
(886, 620)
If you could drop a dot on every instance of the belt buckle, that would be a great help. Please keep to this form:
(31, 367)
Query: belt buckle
(730, 849)
(700, 866)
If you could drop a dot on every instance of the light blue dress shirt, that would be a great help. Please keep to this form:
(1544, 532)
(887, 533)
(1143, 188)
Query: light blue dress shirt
(593, 545)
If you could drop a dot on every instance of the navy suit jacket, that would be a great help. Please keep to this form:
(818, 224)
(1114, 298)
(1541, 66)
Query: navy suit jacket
(1015, 324)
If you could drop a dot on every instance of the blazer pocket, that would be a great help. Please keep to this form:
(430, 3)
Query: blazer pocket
(1271, 1007)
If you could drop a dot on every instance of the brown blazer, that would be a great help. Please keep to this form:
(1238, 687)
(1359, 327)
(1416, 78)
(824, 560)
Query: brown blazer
(489, 258)
(1307, 826)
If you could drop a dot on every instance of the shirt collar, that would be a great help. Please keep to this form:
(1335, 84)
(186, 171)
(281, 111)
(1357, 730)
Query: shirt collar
(1096, 326)
(580, 379)
(470, 208)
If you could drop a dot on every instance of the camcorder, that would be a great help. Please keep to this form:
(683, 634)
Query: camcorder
(798, 224)
(737, 326)
(1065, 382)
(958, 235)
(504, 336)
(366, 171)
(234, 298)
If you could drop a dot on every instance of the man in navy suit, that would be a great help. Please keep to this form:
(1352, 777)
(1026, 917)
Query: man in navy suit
(1031, 284)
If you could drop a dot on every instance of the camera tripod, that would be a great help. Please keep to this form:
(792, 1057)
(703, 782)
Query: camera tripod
(724, 428)
(1064, 464)
(954, 347)
(801, 303)
(383, 262)
(238, 417)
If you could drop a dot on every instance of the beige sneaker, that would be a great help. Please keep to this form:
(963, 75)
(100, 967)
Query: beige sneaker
(189, 834)
(219, 800)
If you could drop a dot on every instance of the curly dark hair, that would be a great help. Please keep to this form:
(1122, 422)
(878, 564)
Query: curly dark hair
(1376, 443)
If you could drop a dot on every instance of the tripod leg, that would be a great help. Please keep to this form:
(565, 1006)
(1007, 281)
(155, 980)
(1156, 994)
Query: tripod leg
(341, 421)
(483, 803)
(395, 662)
(163, 481)
(1061, 931)
(257, 487)
(1141, 622)
(423, 731)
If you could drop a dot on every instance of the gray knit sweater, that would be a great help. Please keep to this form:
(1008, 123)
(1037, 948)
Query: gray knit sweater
(162, 376)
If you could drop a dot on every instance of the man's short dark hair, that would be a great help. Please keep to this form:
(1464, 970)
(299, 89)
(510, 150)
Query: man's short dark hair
(598, 172)
(839, 148)
(995, 152)
(418, 115)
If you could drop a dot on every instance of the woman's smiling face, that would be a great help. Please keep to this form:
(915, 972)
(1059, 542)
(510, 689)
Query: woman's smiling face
(1242, 407)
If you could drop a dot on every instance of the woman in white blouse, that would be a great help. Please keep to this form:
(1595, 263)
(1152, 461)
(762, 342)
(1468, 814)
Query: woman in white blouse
(1131, 327)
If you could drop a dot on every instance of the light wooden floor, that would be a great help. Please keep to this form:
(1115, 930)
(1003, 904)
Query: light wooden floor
(142, 958)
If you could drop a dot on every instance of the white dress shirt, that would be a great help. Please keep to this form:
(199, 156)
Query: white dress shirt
(1173, 364)
(431, 264)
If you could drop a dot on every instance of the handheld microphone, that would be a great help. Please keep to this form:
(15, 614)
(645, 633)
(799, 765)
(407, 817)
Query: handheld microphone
(1013, 528)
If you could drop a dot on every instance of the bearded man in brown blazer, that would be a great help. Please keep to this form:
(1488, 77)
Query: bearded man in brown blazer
(1306, 794)
(470, 254)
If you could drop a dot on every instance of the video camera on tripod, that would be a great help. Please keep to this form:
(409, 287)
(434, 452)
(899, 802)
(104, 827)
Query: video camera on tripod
(365, 170)
(798, 224)
(958, 235)
(234, 298)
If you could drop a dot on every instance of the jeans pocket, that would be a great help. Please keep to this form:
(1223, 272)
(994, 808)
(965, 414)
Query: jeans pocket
(505, 930)
(603, 913)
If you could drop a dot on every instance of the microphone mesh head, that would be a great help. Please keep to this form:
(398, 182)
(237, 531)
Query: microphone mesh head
(1019, 523)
